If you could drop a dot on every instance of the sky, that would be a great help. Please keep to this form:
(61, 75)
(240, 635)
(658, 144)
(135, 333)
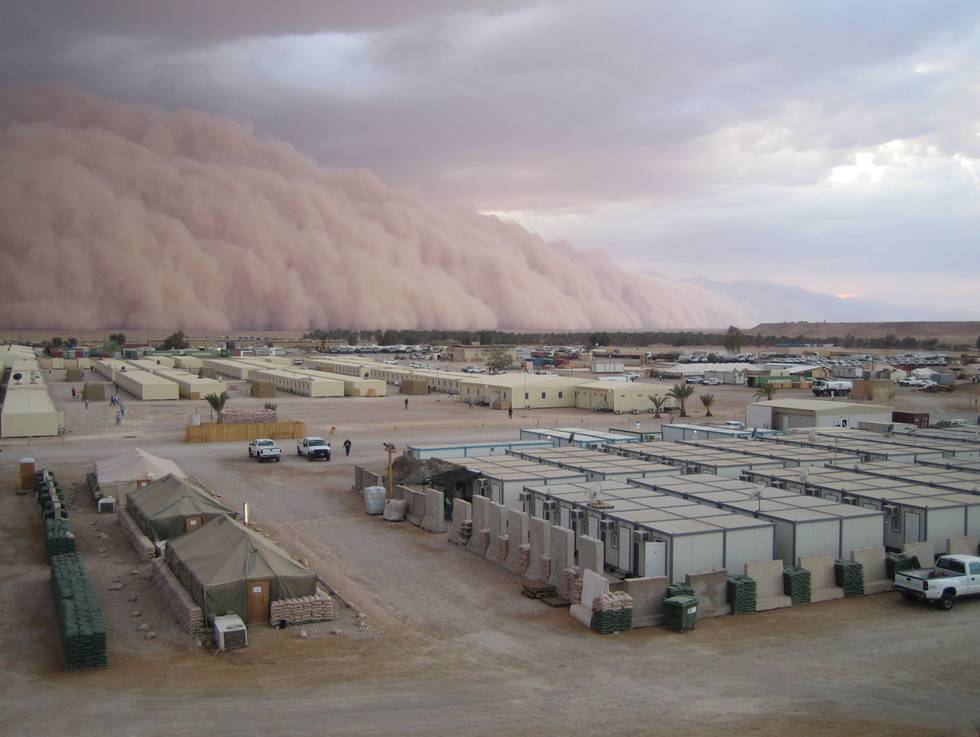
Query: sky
(831, 149)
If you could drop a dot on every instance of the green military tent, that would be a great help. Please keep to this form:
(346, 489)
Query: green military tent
(170, 506)
(229, 569)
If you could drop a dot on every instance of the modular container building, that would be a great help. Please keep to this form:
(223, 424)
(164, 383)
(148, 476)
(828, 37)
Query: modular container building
(693, 459)
(958, 434)
(354, 386)
(802, 525)
(645, 533)
(968, 465)
(596, 465)
(577, 436)
(296, 383)
(955, 480)
(912, 512)
(482, 449)
(788, 456)
(644, 436)
(923, 446)
(189, 385)
(146, 386)
(863, 449)
(28, 412)
(676, 432)
(619, 397)
(228, 367)
(109, 367)
(519, 391)
(505, 477)
(790, 414)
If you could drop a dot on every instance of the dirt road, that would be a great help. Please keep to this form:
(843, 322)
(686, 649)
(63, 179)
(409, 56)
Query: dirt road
(451, 648)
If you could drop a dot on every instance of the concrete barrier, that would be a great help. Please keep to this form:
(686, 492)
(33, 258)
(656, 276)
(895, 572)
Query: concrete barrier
(497, 525)
(768, 575)
(435, 511)
(591, 555)
(462, 512)
(479, 516)
(963, 545)
(648, 600)
(593, 585)
(517, 526)
(872, 562)
(539, 540)
(925, 551)
(823, 583)
(712, 592)
(562, 552)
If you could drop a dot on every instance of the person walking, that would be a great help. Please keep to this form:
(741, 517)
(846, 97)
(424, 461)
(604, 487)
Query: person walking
(510, 413)
(119, 416)
(85, 400)
(347, 447)
(73, 392)
(406, 403)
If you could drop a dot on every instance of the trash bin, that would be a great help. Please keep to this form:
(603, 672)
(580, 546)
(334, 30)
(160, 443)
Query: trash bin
(680, 612)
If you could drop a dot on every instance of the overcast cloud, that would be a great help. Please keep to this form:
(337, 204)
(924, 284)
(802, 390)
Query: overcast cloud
(830, 146)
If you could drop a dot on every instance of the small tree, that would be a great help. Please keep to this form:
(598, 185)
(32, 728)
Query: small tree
(707, 400)
(766, 391)
(498, 359)
(119, 338)
(174, 341)
(681, 392)
(733, 340)
(658, 404)
(217, 402)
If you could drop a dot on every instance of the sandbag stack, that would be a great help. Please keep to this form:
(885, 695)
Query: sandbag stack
(523, 559)
(80, 621)
(303, 610)
(500, 557)
(742, 594)
(612, 612)
(680, 589)
(482, 542)
(188, 614)
(849, 575)
(796, 584)
(544, 568)
(58, 537)
(570, 585)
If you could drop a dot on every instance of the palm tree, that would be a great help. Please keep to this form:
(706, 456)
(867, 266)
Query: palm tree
(767, 391)
(658, 404)
(217, 402)
(707, 400)
(681, 392)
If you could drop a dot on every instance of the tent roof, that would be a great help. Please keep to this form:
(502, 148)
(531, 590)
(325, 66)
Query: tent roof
(171, 496)
(134, 465)
(224, 551)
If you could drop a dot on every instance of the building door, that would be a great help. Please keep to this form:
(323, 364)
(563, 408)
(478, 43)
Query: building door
(654, 559)
(192, 522)
(258, 601)
(911, 527)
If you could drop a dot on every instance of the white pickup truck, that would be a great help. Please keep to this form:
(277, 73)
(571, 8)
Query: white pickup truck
(264, 449)
(953, 576)
(313, 448)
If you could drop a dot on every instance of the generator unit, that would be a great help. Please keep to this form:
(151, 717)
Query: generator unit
(230, 632)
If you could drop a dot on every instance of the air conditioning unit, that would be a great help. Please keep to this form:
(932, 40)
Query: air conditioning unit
(641, 536)
(230, 632)
(890, 509)
(549, 505)
(607, 525)
(524, 496)
(576, 515)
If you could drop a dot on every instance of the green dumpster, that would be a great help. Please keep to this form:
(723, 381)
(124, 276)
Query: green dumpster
(680, 612)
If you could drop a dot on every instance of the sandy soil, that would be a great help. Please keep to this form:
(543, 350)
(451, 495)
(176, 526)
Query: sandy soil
(451, 647)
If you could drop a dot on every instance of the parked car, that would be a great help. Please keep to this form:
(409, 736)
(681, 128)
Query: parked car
(264, 449)
(953, 576)
(313, 448)
(711, 382)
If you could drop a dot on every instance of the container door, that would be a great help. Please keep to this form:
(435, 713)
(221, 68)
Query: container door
(911, 520)
(192, 522)
(625, 549)
(654, 559)
(258, 601)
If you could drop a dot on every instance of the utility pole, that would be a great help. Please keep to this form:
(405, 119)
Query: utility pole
(391, 457)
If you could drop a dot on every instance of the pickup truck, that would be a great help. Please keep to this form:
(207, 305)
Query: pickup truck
(313, 448)
(264, 449)
(953, 576)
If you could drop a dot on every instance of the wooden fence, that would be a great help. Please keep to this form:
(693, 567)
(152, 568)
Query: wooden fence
(211, 432)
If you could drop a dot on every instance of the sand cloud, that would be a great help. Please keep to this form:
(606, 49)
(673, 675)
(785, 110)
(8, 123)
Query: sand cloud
(130, 216)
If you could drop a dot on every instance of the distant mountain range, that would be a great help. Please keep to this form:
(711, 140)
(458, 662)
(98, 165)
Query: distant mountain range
(764, 300)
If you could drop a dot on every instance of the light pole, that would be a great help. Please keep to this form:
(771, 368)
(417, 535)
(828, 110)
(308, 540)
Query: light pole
(391, 455)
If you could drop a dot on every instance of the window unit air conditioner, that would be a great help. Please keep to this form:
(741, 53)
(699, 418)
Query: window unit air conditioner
(576, 515)
(549, 505)
(641, 536)
(524, 496)
(229, 632)
(889, 509)
(607, 525)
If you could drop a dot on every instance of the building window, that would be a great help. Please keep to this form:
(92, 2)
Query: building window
(561, 395)
(526, 395)
(896, 523)
(544, 395)
(614, 540)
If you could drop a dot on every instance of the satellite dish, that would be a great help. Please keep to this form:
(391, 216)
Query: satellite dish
(804, 473)
(18, 376)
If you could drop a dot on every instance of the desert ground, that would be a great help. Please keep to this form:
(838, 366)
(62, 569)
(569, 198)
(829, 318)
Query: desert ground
(433, 641)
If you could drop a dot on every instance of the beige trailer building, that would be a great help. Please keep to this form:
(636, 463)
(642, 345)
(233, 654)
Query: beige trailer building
(109, 367)
(188, 363)
(28, 412)
(520, 391)
(190, 385)
(354, 386)
(297, 383)
(146, 386)
(790, 414)
(228, 367)
(620, 397)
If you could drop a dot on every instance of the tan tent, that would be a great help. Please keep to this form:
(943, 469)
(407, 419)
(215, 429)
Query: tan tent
(229, 569)
(135, 465)
(170, 507)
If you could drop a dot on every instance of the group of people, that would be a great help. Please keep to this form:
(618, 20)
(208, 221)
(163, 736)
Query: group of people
(75, 394)
(115, 401)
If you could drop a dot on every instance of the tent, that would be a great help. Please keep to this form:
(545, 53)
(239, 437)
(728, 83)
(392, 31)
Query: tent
(229, 569)
(135, 465)
(169, 507)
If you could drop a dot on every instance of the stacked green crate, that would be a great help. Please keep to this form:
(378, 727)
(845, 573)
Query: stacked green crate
(796, 584)
(80, 621)
(897, 562)
(742, 594)
(58, 537)
(849, 575)
(679, 589)
(680, 612)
